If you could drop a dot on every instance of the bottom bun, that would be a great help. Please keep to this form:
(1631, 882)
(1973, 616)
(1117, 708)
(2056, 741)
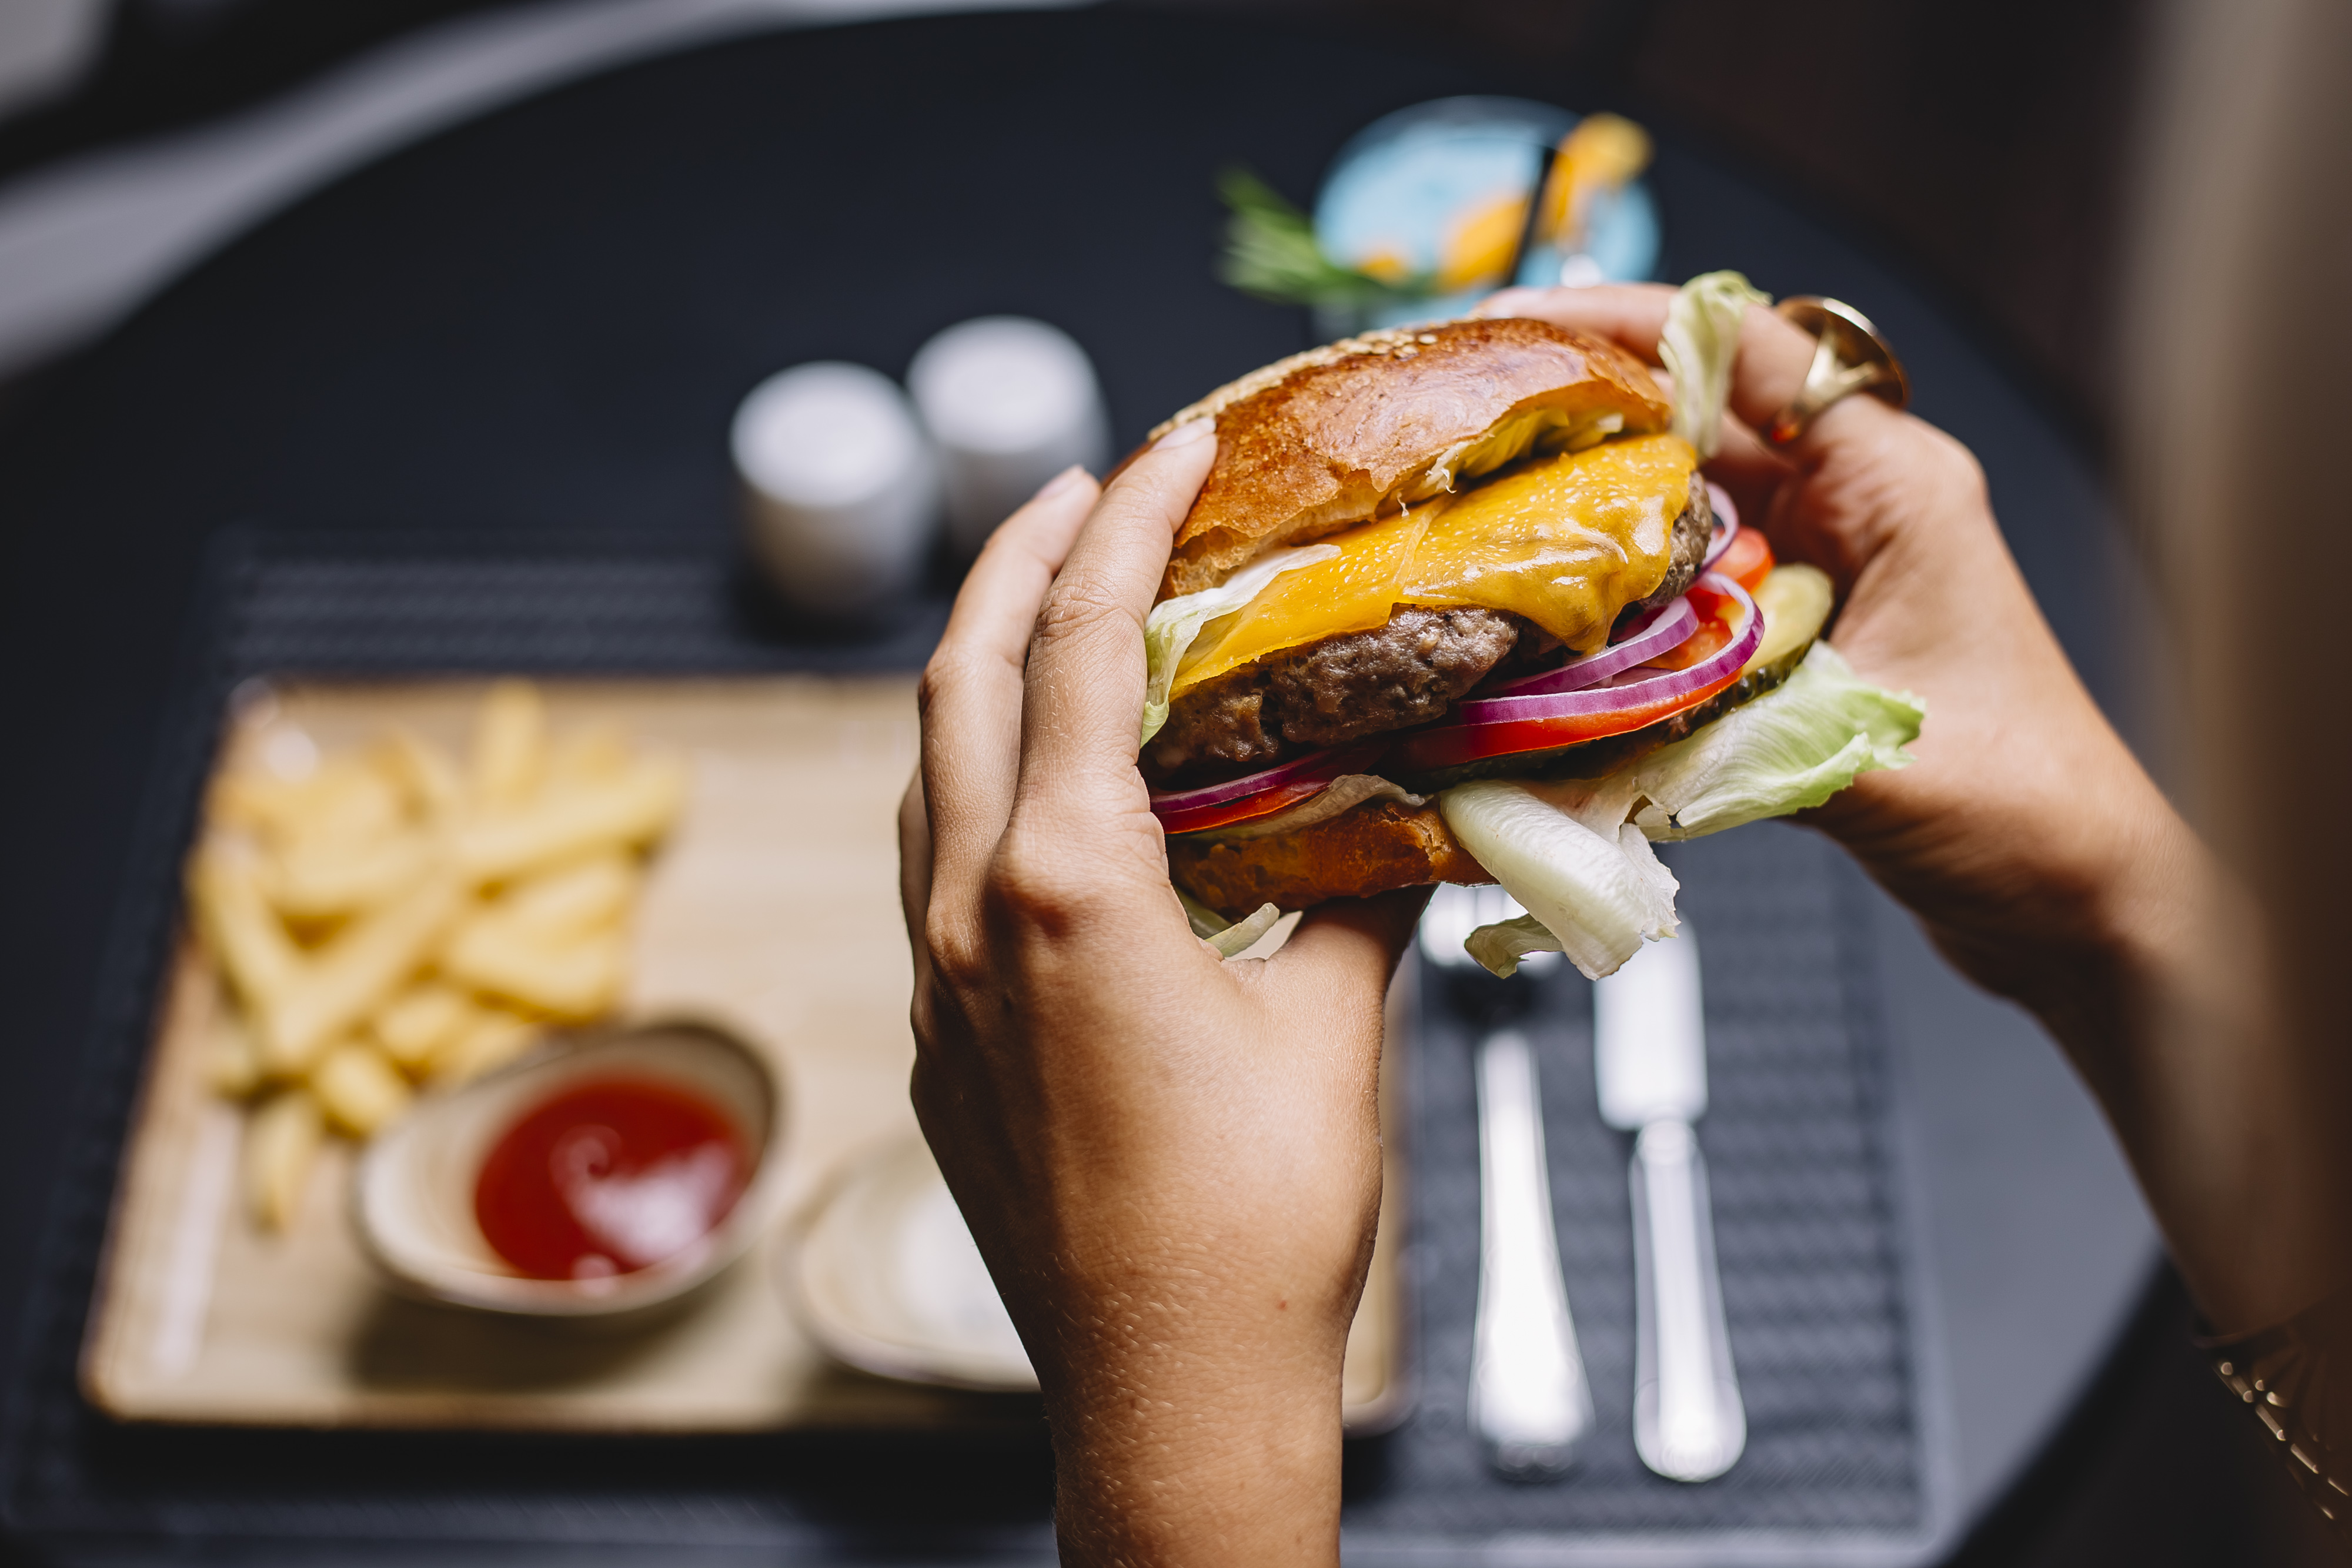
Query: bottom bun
(1381, 845)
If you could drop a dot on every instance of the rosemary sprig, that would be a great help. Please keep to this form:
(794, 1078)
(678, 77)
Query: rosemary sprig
(1270, 254)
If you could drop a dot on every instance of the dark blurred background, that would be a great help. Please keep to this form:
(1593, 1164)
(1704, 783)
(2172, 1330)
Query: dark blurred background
(1986, 148)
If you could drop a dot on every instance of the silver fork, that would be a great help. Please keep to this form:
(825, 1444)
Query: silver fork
(1529, 1401)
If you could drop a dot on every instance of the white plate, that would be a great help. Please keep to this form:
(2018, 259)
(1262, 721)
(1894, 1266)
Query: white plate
(884, 1275)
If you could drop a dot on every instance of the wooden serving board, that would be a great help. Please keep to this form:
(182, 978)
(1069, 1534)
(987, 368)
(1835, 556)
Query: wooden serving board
(772, 910)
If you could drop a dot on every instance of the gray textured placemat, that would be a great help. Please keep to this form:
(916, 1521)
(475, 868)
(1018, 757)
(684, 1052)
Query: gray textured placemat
(585, 604)
(1807, 1223)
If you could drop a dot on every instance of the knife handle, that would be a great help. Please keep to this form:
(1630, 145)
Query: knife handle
(1688, 1422)
(1529, 1401)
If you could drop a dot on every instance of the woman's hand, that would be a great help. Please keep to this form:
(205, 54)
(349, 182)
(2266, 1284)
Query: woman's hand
(1170, 1162)
(2041, 857)
(2024, 810)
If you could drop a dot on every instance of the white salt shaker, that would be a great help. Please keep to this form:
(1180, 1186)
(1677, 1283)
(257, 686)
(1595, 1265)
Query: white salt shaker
(840, 487)
(1011, 402)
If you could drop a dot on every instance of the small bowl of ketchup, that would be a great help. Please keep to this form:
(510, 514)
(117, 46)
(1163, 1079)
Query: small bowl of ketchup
(613, 1172)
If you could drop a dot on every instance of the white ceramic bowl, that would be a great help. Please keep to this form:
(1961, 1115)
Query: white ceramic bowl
(883, 1274)
(412, 1195)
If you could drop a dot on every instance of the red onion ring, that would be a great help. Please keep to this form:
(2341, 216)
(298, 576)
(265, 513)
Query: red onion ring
(1661, 633)
(1344, 759)
(1651, 688)
(1267, 802)
(1720, 498)
(1727, 524)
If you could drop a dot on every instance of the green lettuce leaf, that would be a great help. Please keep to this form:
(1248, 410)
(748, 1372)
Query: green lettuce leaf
(1173, 623)
(1501, 945)
(1698, 346)
(1243, 935)
(1205, 922)
(1229, 937)
(1585, 873)
(1576, 853)
(1794, 746)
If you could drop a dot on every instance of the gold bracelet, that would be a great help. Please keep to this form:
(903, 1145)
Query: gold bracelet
(2283, 1375)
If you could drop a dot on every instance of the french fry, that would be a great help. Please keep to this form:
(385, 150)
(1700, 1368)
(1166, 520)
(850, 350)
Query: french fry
(423, 771)
(236, 923)
(595, 892)
(495, 1037)
(509, 755)
(466, 908)
(573, 977)
(345, 799)
(350, 976)
(583, 819)
(358, 1089)
(281, 1143)
(553, 942)
(338, 793)
(315, 879)
(263, 799)
(416, 1026)
(232, 1062)
(587, 756)
(256, 801)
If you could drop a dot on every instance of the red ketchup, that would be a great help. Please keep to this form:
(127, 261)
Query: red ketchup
(611, 1175)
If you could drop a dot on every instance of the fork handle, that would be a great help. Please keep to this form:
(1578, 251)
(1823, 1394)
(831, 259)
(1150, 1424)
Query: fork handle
(1689, 1424)
(1529, 1401)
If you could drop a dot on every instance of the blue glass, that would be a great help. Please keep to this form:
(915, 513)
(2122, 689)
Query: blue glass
(1400, 184)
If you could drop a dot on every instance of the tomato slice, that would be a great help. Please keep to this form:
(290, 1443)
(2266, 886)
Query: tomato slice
(1749, 561)
(1713, 633)
(1451, 747)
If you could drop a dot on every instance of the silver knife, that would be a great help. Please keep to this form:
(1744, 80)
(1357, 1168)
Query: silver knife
(1649, 1062)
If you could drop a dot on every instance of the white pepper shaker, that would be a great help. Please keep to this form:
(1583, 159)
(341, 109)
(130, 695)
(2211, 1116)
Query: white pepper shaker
(840, 486)
(1010, 402)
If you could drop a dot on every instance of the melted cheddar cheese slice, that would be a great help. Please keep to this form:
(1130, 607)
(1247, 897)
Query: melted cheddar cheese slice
(1353, 591)
(1566, 541)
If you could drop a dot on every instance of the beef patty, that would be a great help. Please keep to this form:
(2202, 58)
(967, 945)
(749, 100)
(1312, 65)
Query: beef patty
(1684, 549)
(1356, 683)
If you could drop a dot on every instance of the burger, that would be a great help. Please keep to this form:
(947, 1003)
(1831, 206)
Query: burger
(1457, 603)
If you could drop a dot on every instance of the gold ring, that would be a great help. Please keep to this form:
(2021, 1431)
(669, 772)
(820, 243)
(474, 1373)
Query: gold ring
(1849, 356)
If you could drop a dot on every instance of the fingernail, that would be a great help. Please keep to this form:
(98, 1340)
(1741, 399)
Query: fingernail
(1185, 435)
(1066, 479)
(1504, 302)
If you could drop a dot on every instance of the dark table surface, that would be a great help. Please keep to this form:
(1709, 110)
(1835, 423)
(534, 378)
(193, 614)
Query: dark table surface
(538, 324)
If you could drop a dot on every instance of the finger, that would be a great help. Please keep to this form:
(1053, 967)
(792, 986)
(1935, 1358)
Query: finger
(1750, 471)
(1330, 982)
(915, 870)
(1346, 944)
(1084, 694)
(971, 695)
(1633, 314)
(1770, 371)
(1745, 458)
